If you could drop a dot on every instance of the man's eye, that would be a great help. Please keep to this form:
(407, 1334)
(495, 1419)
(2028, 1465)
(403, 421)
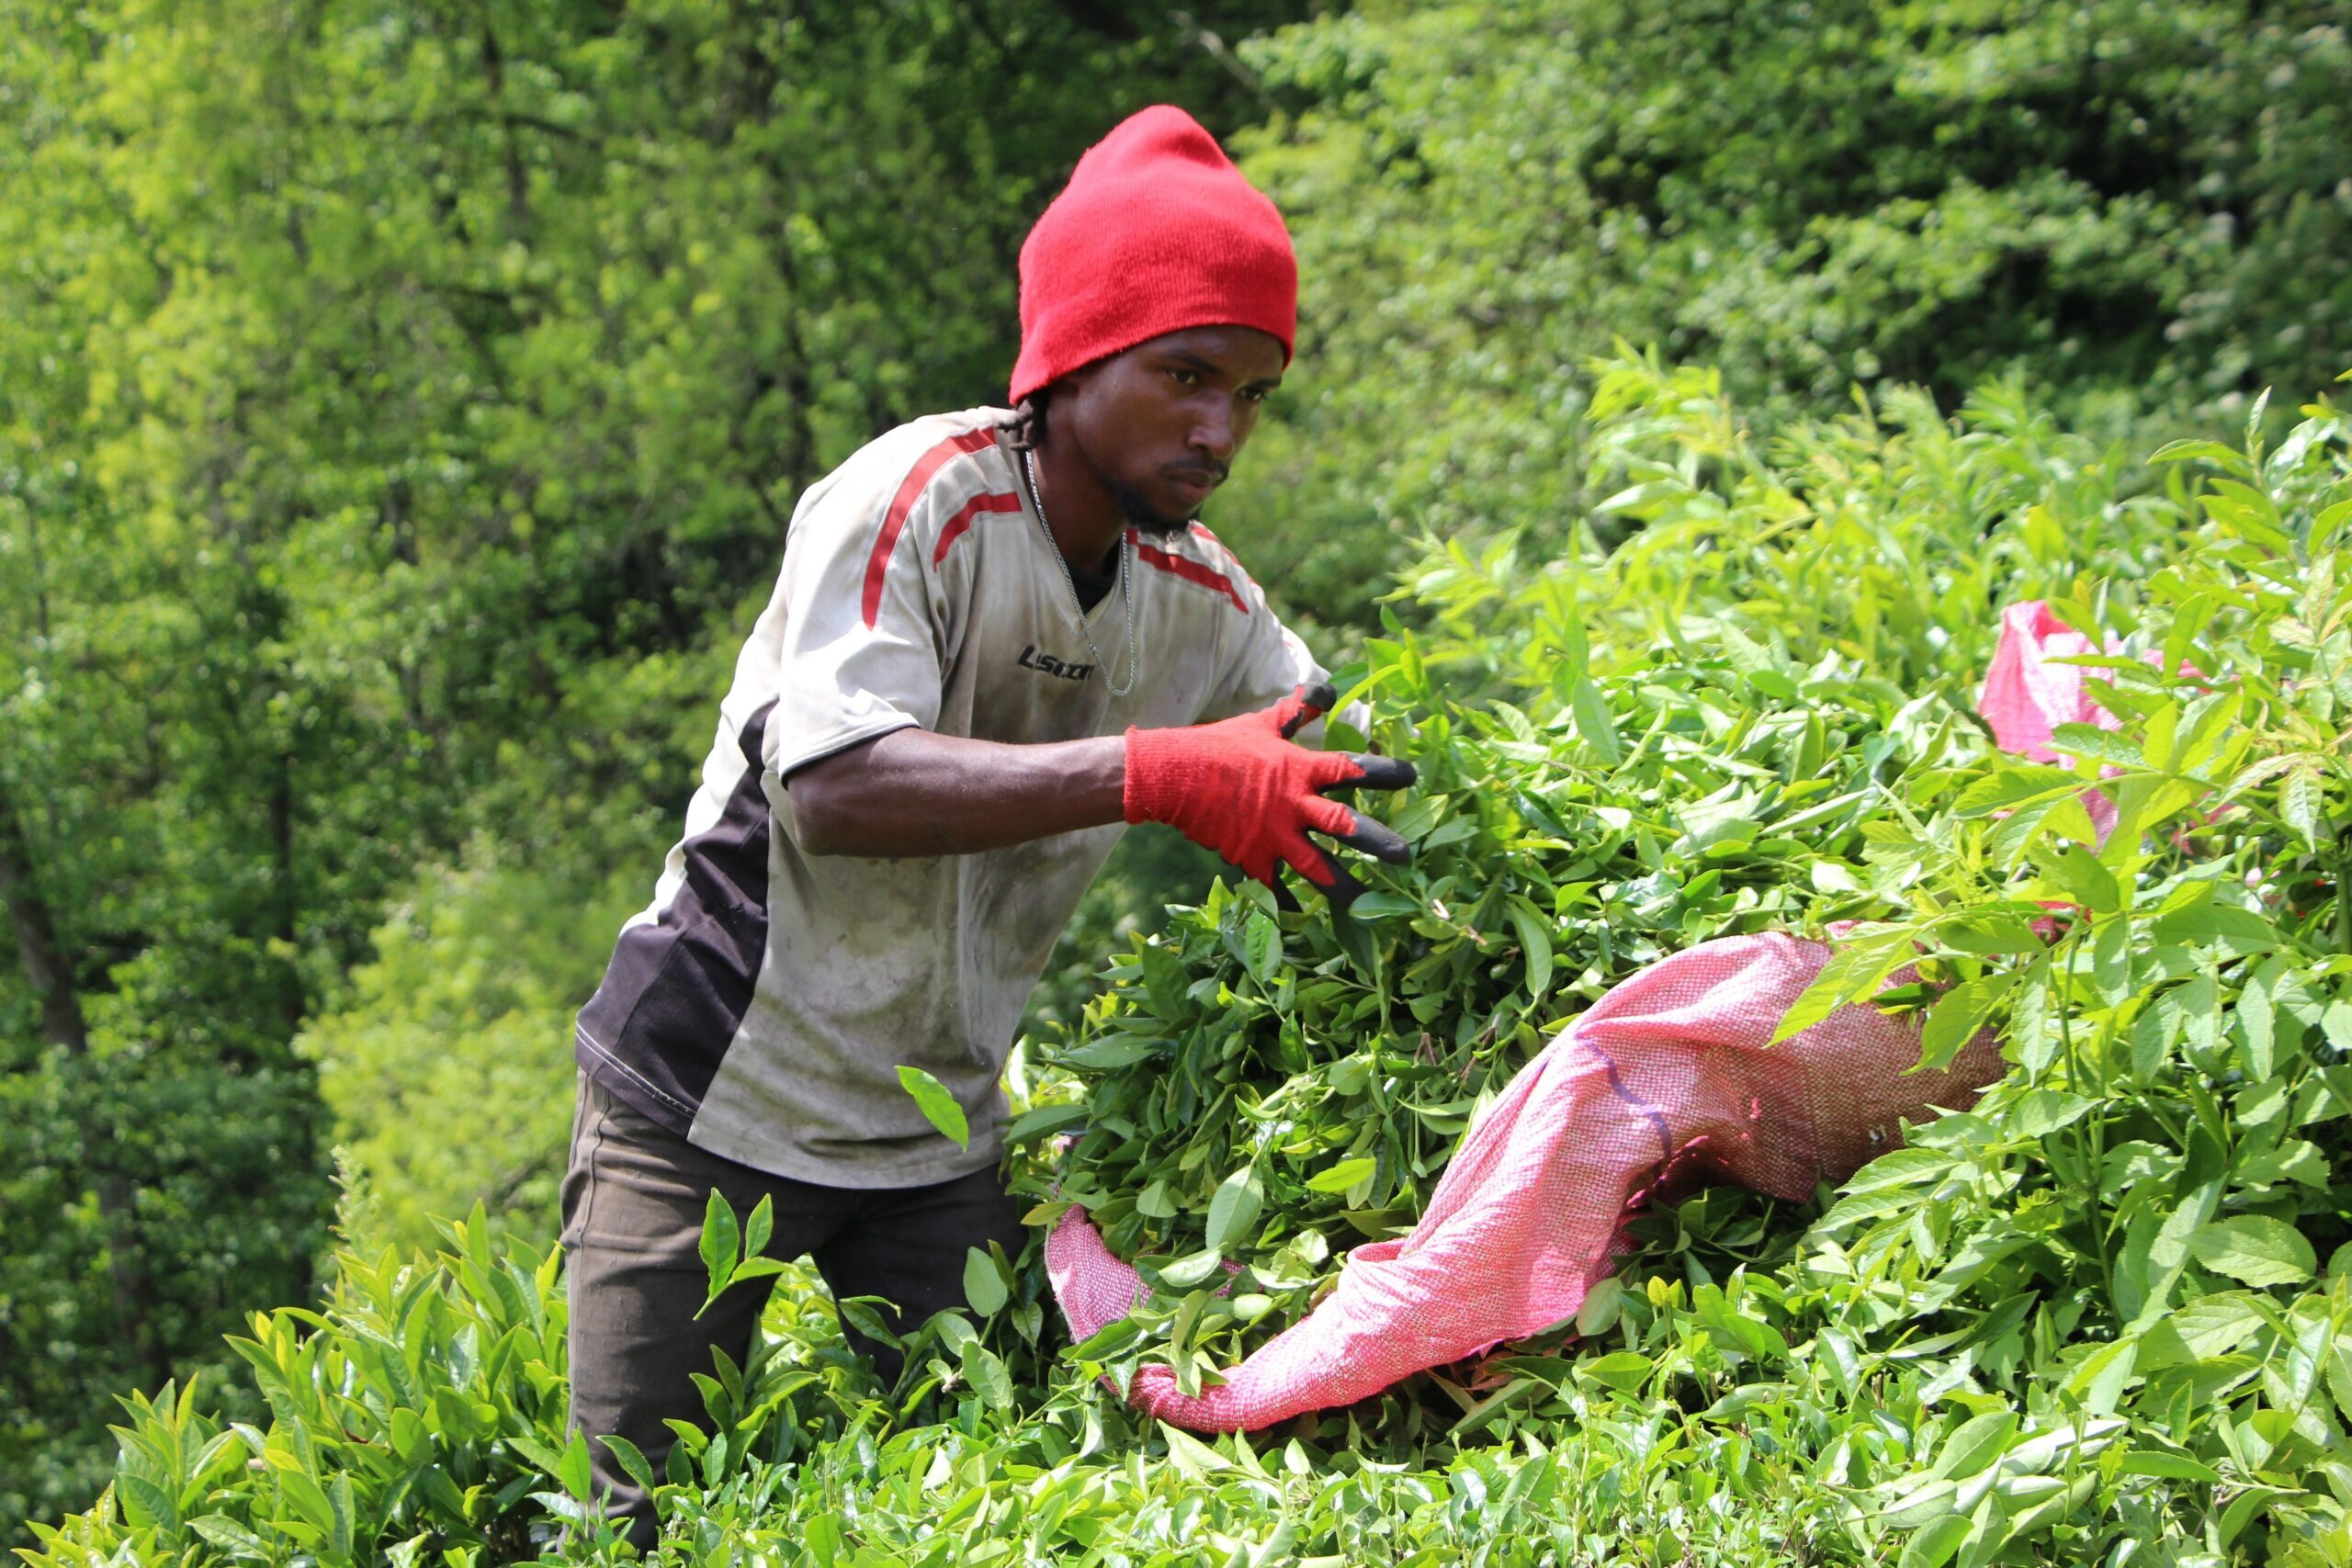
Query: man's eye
(1186, 377)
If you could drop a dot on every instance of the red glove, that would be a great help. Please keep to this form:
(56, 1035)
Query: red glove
(1241, 788)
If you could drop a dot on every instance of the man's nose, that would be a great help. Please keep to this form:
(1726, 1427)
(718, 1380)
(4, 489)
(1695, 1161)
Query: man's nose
(1212, 432)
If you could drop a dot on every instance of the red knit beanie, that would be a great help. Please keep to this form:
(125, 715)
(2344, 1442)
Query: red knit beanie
(1155, 232)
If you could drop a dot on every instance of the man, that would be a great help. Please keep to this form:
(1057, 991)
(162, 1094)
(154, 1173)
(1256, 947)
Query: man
(993, 641)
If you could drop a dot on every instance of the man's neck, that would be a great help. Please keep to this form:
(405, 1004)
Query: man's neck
(1080, 513)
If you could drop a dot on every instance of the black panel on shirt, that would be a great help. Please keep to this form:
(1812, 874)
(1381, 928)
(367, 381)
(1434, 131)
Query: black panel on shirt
(677, 989)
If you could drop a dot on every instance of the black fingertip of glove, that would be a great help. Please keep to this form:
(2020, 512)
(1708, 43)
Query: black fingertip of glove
(1381, 772)
(1342, 889)
(1376, 839)
(1318, 698)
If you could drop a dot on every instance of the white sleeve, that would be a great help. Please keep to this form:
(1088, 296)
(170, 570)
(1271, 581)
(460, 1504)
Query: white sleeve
(867, 630)
(1268, 662)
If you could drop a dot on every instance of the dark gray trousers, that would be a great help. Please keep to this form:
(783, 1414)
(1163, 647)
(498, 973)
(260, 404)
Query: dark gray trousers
(633, 1203)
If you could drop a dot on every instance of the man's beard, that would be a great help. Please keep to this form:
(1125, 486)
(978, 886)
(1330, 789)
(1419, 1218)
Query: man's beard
(1138, 512)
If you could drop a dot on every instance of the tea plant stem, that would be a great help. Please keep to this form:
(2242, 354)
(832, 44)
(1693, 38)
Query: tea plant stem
(2343, 904)
(2082, 1176)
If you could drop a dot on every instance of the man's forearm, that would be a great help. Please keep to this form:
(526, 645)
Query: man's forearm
(915, 793)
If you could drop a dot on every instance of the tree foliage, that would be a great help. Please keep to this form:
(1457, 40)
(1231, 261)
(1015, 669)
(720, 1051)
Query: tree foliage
(2141, 209)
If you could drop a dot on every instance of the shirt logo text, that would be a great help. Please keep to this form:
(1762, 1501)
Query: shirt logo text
(1046, 664)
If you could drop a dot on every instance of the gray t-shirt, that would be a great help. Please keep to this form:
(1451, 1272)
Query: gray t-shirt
(762, 1002)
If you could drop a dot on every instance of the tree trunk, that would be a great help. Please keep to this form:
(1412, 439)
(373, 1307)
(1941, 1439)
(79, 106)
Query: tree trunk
(60, 1007)
(63, 1025)
(281, 835)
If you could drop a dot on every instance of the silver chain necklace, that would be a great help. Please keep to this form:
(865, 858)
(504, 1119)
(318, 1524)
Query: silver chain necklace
(1130, 646)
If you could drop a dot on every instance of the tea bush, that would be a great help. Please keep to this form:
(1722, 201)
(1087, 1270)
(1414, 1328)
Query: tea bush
(2104, 1315)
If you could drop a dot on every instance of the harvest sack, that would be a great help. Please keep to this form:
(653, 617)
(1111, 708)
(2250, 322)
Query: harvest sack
(2026, 697)
(1668, 1073)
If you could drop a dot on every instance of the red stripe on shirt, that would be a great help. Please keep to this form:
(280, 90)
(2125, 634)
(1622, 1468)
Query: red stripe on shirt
(1190, 570)
(1203, 530)
(962, 521)
(910, 491)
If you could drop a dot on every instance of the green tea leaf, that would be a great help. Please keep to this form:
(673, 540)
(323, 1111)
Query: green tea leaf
(1853, 970)
(1975, 1444)
(632, 1462)
(230, 1536)
(1377, 905)
(144, 1503)
(983, 1284)
(2152, 1035)
(2168, 1466)
(1958, 1015)
(1535, 942)
(2037, 1113)
(1233, 1211)
(2254, 1249)
(310, 1501)
(1190, 1455)
(938, 1106)
(1623, 1370)
(1261, 940)
(1043, 1121)
(759, 1227)
(1342, 1175)
(2100, 1379)
(2154, 1262)
(1933, 1544)
(2300, 804)
(984, 1371)
(1598, 1311)
(720, 1241)
(2239, 932)
(2032, 1025)
(1164, 979)
(2208, 1326)
(1594, 723)
(1983, 931)
(858, 1312)
(1191, 1270)
(572, 1471)
(2200, 1015)
(2098, 745)
(2258, 1017)
(2202, 451)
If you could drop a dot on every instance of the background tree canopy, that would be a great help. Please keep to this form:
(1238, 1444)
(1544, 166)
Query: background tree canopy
(2141, 210)
(401, 403)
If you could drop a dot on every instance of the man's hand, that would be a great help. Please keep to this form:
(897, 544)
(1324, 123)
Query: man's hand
(1241, 788)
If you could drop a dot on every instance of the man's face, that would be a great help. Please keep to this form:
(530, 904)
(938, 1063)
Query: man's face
(1160, 423)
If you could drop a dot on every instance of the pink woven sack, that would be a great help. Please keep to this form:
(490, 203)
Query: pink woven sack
(2026, 697)
(1669, 1072)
